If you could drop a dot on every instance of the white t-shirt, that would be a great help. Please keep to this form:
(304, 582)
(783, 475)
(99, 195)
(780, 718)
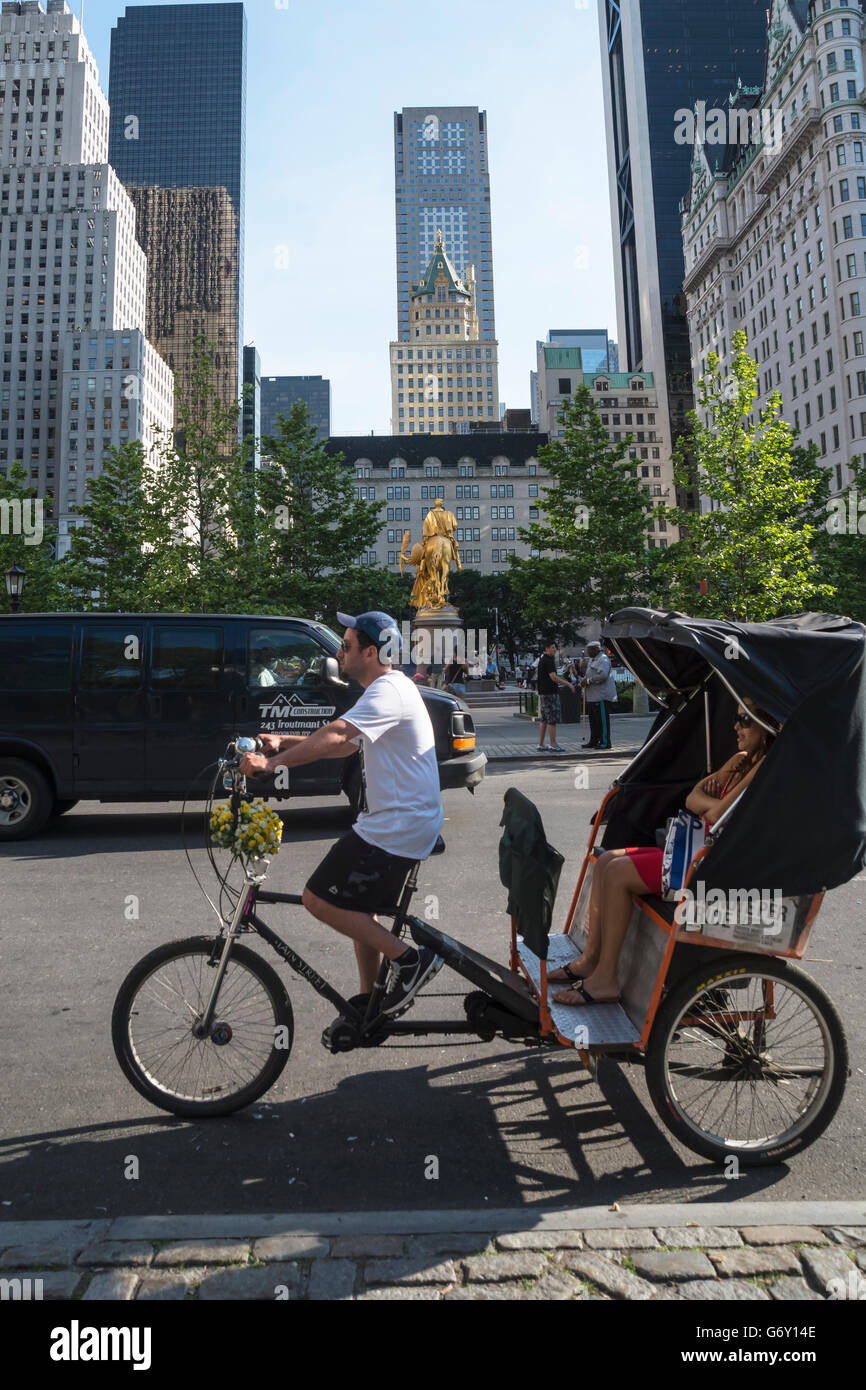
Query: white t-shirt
(404, 806)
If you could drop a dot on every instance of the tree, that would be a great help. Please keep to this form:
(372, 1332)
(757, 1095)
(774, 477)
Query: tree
(749, 557)
(26, 541)
(305, 525)
(117, 557)
(840, 544)
(365, 589)
(595, 517)
(200, 472)
(478, 596)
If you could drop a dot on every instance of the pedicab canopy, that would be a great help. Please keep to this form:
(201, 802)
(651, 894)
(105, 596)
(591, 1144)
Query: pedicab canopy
(801, 824)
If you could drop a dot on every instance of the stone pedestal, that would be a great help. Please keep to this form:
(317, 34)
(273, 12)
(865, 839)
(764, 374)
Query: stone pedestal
(438, 636)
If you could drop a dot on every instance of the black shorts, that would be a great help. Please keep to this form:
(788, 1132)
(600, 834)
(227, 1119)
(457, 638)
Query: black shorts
(360, 877)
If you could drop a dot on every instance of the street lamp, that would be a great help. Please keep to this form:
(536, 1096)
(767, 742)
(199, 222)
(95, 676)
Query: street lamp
(14, 586)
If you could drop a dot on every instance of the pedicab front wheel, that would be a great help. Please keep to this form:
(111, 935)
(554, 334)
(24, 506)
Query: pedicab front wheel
(747, 1059)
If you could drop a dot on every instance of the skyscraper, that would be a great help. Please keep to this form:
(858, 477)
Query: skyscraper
(279, 394)
(79, 375)
(659, 57)
(177, 94)
(442, 182)
(441, 379)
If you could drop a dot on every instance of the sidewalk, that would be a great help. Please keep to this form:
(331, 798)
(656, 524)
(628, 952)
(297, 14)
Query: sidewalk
(506, 736)
(748, 1251)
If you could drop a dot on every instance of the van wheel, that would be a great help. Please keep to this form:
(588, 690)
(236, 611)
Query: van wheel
(26, 800)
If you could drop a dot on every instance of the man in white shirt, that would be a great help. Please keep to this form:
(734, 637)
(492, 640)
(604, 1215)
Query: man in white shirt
(366, 870)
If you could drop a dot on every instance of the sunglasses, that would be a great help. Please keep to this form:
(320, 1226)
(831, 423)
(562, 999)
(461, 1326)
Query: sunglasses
(745, 721)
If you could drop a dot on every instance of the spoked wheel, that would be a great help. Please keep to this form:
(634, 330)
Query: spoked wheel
(749, 1059)
(155, 1020)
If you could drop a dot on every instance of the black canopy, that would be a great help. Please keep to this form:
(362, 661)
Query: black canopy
(801, 826)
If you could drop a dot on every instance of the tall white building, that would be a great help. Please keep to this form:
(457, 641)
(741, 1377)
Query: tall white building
(75, 275)
(775, 240)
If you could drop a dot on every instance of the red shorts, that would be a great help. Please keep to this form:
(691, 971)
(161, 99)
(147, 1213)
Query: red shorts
(647, 859)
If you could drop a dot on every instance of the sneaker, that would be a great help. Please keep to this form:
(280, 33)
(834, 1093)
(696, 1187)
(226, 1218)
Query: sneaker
(542, 748)
(405, 980)
(557, 748)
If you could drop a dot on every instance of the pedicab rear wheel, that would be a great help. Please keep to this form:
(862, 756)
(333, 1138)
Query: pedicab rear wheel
(747, 1058)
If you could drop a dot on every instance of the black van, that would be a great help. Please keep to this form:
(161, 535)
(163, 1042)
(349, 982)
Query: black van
(136, 707)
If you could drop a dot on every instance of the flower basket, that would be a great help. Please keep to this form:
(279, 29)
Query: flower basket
(257, 833)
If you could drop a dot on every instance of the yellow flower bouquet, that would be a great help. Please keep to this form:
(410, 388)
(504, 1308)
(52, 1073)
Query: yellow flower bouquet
(258, 832)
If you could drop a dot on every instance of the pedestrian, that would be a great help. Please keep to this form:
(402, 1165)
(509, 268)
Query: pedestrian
(455, 676)
(600, 689)
(365, 871)
(548, 696)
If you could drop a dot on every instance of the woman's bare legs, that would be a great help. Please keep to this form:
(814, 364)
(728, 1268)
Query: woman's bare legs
(619, 880)
(588, 959)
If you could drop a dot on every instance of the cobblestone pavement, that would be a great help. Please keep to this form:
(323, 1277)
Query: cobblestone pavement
(82, 1260)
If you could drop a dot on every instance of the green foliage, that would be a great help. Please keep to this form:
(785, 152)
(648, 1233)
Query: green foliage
(26, 539)
(307, 517)
(841, 544)
(592, 556)
(754, 549)
(115, 556)
(477, 596)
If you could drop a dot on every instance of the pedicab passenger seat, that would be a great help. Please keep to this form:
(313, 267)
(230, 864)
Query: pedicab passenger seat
(530, 868)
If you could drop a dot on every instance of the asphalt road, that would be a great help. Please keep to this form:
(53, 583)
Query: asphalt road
(508, 1125)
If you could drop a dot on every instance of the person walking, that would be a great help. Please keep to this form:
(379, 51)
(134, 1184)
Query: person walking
(600, 693)
(548, 697)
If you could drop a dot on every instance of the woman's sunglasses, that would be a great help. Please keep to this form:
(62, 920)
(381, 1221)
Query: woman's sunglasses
(745, 721)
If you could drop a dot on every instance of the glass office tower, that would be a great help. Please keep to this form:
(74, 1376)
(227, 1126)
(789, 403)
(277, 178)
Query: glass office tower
(279, 394)
(442, 182)
(177, 92)
(659, 56)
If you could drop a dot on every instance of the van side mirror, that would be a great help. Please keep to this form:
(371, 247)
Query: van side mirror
(331, 673)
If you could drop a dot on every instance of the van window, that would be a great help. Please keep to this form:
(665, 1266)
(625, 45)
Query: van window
(281, 657)
(111, 659)
(187, 657)
(35, 656)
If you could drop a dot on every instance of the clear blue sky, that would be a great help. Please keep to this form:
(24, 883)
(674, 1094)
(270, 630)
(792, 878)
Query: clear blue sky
(324, 78)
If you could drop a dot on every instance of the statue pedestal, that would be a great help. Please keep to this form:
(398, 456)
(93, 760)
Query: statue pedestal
(438, 636)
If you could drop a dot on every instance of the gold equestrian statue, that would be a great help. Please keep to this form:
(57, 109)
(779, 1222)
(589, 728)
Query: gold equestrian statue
(432, 558)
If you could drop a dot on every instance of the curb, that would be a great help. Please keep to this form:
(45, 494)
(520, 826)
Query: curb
(260, 1225)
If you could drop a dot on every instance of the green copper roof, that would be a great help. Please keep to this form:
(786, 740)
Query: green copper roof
(439, 264)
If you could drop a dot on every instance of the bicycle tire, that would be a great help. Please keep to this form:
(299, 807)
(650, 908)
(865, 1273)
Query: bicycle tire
(669, 1032)
(214, 1062)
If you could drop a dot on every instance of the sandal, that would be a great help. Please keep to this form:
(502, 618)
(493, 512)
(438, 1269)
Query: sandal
(563, 975)
(586, 997)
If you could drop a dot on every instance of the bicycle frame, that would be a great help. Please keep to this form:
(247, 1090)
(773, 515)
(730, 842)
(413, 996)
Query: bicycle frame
(245, 918)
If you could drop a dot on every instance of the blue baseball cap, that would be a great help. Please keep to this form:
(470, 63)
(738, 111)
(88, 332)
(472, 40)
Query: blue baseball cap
(381, 628)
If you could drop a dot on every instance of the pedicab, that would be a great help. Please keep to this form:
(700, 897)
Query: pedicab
(744, 1053)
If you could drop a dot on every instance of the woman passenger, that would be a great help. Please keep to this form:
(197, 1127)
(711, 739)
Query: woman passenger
(619, 873)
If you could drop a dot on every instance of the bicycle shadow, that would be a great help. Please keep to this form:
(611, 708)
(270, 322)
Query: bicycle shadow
(500, 1130)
